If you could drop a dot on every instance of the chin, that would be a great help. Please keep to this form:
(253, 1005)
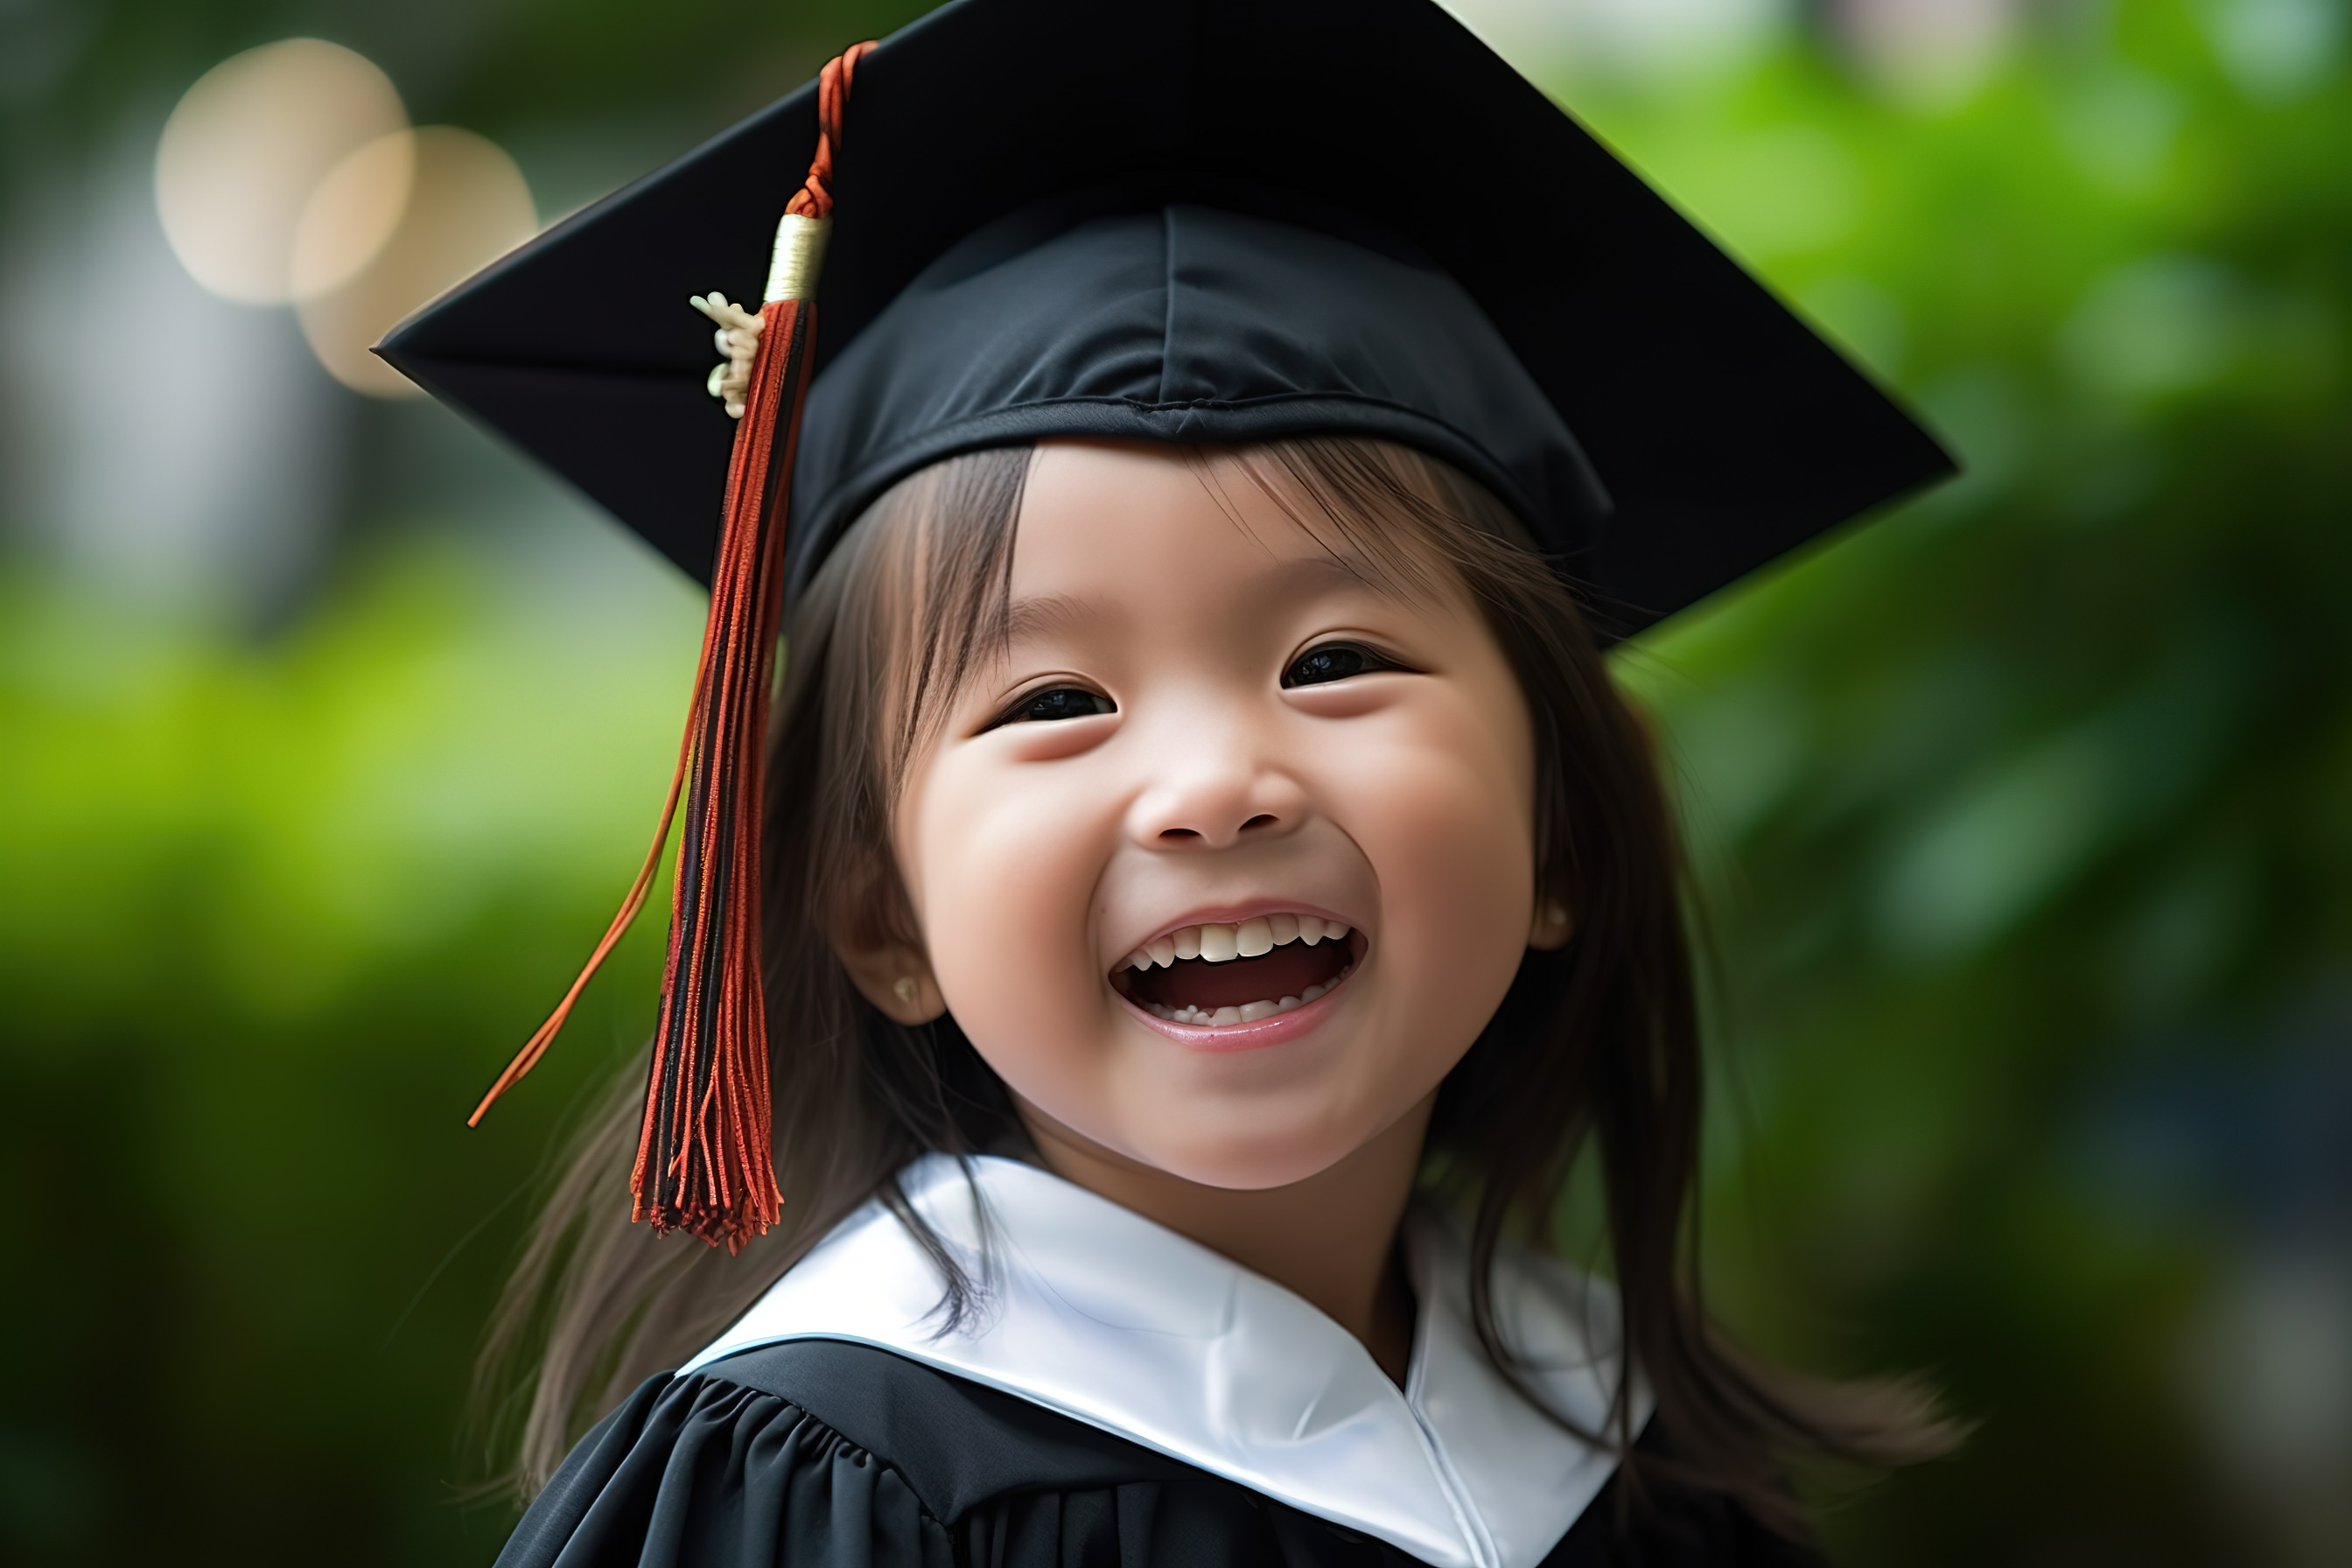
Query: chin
(1255, 1162)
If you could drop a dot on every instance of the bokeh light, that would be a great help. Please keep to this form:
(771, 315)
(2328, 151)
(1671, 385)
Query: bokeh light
(289, 174)
(467, 203)
(353, 211)
(1933, 52)
(246, 147)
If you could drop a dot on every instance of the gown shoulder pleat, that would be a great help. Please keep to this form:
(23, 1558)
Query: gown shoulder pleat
(825, 1454)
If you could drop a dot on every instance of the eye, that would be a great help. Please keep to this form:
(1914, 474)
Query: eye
(1058, 702)
(1336, 661)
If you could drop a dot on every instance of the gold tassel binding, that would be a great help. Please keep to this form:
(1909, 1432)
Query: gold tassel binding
(705, 1162)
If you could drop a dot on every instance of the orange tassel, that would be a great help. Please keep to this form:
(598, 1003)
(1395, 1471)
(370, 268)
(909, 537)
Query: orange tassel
(705, 1160)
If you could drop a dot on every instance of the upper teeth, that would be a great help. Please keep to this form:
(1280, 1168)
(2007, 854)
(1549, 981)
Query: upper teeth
(1219, 944)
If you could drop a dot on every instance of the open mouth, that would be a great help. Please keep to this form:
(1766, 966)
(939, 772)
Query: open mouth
(1214, 974)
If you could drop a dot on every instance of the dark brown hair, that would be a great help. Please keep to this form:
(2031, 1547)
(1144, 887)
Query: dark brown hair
(1593, 1058)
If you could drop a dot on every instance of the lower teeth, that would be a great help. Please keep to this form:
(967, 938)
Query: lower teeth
(1248, 1013)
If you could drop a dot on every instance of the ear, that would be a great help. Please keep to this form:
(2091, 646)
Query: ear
(896, 979)
(1551, 926)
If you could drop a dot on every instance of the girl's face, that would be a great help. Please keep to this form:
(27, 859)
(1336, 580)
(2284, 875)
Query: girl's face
(1208, 743)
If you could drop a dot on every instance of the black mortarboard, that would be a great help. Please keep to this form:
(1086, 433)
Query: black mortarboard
(1721, 427)
(1188, 220)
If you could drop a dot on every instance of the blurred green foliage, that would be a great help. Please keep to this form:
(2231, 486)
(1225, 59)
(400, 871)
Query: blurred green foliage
(2023, 815)
(272, 917)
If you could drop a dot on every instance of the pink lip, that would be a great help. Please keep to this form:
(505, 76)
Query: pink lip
(1277, 1030)
(1233, 914)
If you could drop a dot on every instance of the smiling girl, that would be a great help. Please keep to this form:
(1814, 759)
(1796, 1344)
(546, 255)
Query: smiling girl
(1198, 896)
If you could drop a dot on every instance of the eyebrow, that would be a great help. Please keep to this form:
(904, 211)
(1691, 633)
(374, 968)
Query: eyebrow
(1043, 613)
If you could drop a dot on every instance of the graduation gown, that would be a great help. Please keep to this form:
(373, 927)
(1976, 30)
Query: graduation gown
(1117, 1397)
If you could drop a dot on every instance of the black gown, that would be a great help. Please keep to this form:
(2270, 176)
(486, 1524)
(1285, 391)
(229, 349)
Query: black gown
(823, 1453)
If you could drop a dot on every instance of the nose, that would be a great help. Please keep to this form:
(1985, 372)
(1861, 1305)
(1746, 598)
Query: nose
(1214, 792)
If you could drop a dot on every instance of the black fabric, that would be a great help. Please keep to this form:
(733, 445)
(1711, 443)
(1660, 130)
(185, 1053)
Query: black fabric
(1721, 427)
(819, 1453)
(1183, 323)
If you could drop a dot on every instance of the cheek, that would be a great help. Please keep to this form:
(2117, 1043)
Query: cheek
(1004, 880)
(1448, 829)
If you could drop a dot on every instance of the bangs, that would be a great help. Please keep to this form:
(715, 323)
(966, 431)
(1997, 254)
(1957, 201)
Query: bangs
(1404, 523)
(919, 595)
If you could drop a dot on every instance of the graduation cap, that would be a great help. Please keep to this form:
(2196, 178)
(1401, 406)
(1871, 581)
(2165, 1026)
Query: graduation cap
(1204, 221)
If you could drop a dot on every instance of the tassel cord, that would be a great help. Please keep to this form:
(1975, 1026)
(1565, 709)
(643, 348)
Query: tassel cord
(704, 1162)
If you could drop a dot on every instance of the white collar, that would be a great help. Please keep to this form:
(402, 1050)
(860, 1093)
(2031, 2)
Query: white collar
(1094, 1311)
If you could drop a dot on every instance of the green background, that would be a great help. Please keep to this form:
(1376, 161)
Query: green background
(2024, 814)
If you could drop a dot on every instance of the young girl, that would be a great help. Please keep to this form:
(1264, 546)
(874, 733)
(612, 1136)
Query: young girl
(1136, 1003)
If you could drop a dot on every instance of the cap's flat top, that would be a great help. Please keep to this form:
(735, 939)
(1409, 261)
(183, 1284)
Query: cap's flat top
(1721, 428)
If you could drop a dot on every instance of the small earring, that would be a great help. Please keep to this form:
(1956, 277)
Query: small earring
(905, 989)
